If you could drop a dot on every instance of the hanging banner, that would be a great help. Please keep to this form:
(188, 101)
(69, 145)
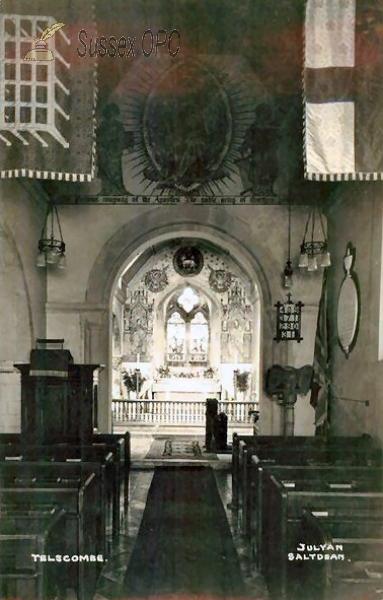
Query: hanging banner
(343, 90)
(47, 93)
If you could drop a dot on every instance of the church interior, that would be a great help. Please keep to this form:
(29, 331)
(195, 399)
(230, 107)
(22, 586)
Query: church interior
(192, 311)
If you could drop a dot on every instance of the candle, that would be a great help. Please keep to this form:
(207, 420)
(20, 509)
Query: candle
(138, 359)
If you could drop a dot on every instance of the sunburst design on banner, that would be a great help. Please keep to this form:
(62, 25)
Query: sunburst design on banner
(189, 118)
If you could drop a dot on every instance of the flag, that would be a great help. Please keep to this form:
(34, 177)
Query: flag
(48, 94)
(320, 384)
(343, 90)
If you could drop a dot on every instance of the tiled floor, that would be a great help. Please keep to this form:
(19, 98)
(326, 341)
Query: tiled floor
(112, 576)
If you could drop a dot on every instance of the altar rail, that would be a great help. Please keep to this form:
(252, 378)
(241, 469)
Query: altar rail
(183, 412)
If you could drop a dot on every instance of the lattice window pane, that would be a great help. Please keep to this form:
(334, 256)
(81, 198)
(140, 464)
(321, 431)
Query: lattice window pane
(41, 94)
(41, 115)
(22, 117)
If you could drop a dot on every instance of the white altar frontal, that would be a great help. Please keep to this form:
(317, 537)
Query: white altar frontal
(185, 388)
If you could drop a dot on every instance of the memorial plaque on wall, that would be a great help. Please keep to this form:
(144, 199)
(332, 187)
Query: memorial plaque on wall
(289, 320)
(348, 309)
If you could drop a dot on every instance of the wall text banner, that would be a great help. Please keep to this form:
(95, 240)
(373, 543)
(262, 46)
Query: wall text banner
(343, 90)
(173, 200)
(47, 115)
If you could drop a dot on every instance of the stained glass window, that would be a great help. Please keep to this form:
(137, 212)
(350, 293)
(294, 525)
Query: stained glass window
(176, 337)
(199, 336)
(187, 330)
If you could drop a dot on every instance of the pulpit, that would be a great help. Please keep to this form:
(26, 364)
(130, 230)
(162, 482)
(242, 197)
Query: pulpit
(58, 397)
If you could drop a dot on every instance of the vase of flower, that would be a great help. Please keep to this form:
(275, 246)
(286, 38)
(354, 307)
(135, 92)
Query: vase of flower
(242, 382)
(133, 381)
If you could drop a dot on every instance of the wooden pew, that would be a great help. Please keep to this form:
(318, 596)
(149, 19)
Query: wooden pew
(105, 454)
(113, 476)
(96, 438)
(338, 451)
(356, 572)
(26, 471)
(241, 443)
(281, 533)
(311, 455)
(120, 445)
(122, 442)
(261, 470)
(279, 455)
(22, 535)
(79, 497)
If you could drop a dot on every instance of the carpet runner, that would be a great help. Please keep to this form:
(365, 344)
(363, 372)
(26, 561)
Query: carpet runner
(184, 545)
(178, 448)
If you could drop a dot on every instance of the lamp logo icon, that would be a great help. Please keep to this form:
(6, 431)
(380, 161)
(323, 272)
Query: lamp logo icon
(41, 51)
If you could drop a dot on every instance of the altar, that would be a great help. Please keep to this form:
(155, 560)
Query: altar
(186, 389)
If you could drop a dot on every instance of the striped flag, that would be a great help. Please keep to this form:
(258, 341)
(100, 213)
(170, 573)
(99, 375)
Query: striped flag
(320, 384)
(343, 89)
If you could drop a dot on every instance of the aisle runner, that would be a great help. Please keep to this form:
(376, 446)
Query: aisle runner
(178, 448)
(184, 545)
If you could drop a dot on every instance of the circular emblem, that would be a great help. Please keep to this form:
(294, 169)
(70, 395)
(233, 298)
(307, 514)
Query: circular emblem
(188, 261)
(220, 280)
(156, 280)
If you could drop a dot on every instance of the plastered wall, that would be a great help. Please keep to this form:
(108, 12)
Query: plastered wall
(356, 217)
(23, 292)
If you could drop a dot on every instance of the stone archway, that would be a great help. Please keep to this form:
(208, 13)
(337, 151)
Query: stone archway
(132, 240)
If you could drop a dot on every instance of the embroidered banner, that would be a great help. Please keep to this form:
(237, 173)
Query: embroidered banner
(47, 92)
(343, 88)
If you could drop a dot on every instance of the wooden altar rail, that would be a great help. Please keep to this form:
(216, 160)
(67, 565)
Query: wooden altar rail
(183, 412)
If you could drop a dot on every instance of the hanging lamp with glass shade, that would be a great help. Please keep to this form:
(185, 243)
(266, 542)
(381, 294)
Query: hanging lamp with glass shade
(314, 252)
(51, 246)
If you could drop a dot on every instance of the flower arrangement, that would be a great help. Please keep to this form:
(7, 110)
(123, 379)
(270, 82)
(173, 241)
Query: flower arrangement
(209, 373)
(186, 375)
(163, 371)
(242, 381)
(133, 380)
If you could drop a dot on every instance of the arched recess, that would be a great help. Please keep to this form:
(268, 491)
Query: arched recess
(140, 235)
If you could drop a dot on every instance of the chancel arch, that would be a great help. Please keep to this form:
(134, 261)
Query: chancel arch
(128, 257)
(190, 313)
